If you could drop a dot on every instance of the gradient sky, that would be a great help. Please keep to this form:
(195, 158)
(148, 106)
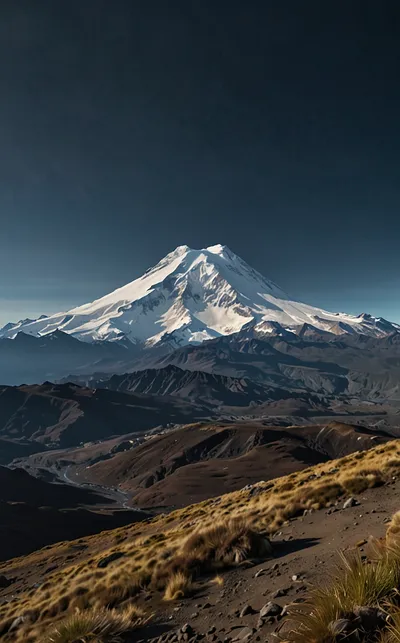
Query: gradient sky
(130, 127)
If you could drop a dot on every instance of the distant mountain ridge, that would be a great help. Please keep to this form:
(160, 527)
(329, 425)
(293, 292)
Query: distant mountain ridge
(191, 296)
(66, 415)
(208, 388)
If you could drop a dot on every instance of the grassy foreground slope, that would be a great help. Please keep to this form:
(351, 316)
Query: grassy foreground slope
(166, 555)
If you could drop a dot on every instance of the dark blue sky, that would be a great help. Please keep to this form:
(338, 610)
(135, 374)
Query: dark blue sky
(128, 128)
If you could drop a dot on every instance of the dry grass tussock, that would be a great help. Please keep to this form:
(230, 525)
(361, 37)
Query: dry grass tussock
(393, 530)
(96, 626)
(197, 540)
(223, 545)
(374, 583)
(178, 585)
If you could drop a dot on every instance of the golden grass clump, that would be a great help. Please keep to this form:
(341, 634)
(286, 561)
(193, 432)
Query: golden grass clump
(227, 543)
(222, 545)
(364, 480)
(178, 586)
(354, 584)
(96, 626)
(393, 631)
(393, 530)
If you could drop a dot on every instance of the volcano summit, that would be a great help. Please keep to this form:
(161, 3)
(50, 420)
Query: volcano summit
(191, 296)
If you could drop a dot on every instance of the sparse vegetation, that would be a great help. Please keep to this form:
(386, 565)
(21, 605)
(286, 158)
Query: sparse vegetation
(96, 626)
(202, 539)
(357, 585)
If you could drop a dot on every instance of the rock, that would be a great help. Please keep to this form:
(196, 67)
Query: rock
(5, 582)
(212, 630)
(281, 592)
(350, 502)
(270, 609)
(371, 618)
(244, 634)
(247, 609)
(260, 623)
(260, 573)
(194, 615)
(187, 629)
(206, 606)
(341, 626)
(295, 577)
(109, 559)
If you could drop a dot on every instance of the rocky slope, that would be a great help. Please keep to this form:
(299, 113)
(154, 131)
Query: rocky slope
(349, 365)
(206, 388)
(246, 602)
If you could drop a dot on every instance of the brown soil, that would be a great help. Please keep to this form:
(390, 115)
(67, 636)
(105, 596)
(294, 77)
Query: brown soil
(205, 460)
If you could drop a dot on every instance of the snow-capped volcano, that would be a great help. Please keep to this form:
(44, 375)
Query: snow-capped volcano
(191, 296)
